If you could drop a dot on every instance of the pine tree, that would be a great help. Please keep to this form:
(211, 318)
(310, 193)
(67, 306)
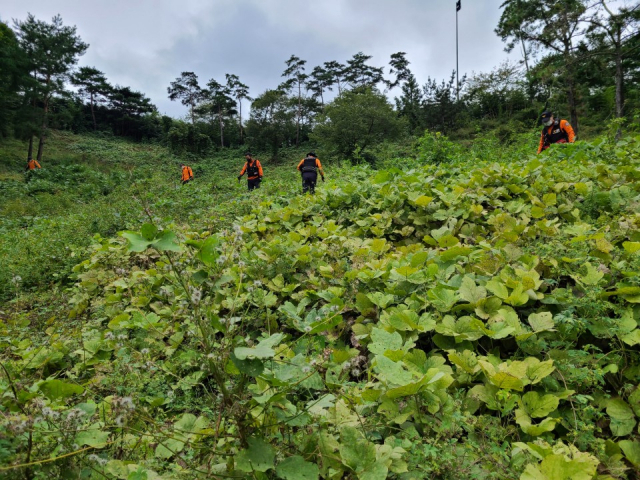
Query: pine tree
(186, 89)
(93, 84)
(52, 50)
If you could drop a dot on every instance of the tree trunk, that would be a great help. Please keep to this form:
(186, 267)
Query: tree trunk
(240, 113)
(525, 55)
(221, 127)
(93, 114)
(30, 152)
(298, 117)
(43, 131)
(571, 88)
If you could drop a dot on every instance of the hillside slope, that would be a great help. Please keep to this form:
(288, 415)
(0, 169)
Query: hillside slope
(468, 320)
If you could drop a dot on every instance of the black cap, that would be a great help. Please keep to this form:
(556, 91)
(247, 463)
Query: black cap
(546, 115)
(247, 153)
(311, 154)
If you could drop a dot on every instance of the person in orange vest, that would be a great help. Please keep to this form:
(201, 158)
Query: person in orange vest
(32, 164)
(308, 168)
(254, 172)
(554, 131)
(187, 174)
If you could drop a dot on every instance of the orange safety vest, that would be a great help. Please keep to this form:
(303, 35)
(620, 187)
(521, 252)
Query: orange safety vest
(33, 164)
(187, 173)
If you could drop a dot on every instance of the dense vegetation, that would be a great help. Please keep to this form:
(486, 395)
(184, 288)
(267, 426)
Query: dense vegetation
(448, 305)
(467, 316)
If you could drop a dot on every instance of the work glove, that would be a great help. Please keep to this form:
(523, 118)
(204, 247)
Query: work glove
(260, 178)
(239, 177)
(323, 178)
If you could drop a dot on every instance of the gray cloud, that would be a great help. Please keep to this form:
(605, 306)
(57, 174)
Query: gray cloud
(147, 43)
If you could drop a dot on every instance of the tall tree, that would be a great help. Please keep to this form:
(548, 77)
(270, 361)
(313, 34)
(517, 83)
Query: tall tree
(239, 91)
(272, 121)
(218, 104)
(186, 89)
(296, 78)
(92, 84)
(335, 71)
(129, 106)
(319, 80)
(13, 77)
(552, 24)
(52, 50)
(399, 69)
(409, 104)
(611, 34)
(361, 75)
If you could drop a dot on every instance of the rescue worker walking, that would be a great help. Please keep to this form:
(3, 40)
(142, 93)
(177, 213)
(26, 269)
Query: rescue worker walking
(32, 164)
(187, 174)
(253, 169)
(554, 131)
(308, 168)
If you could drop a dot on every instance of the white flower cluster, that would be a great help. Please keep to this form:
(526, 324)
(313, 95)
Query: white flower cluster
(50, 414)
(16, 279)
(122, 408)
(196, 296)
(97, 459)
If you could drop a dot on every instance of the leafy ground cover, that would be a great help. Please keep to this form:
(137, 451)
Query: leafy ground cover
(454, 318)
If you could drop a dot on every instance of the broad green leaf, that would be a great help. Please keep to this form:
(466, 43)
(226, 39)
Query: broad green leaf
(137, 242)
(443, 298)
(149, 231)
(631, 450)
(189, 424)
(507, 381)
(392, 372)
(423, 200)
(498, 288)
(470, 292)
(296, 468)
(538, 405)
(166, 242)
(382, 300)
(541, 321)
(561, 467)
(467, 361)
(262, 350)
(92, 436)
(547, 425)
(381, 341)
(57, 389)
(355, 451)
(631, 247)
(592, 277)
(537, 370)
(209, 251)
(363, 304)
(632, 338)
(622, 419)
(259, 457)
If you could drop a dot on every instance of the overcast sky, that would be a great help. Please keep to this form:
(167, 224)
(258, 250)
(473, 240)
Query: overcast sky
(146, 44)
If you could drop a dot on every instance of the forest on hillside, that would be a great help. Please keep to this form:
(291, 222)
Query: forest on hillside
(580, 58)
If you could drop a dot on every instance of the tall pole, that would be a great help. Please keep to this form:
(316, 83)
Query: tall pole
(457, 65)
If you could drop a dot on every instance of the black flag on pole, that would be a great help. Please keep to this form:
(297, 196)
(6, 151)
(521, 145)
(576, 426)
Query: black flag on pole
(458, 5)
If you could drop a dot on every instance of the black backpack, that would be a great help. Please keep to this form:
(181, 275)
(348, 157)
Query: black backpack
(309, 165)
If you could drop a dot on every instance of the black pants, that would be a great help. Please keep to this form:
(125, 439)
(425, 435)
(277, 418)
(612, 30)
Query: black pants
(309, 180)
(255, 183)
